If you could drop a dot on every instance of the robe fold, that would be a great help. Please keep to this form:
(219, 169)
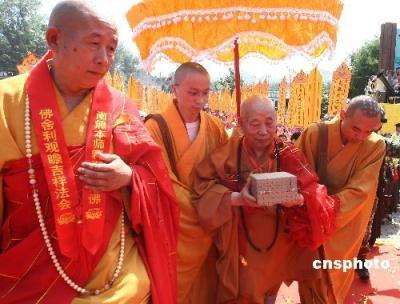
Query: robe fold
(193, 270)
(148, 271)
(352, 175)
(245, 274)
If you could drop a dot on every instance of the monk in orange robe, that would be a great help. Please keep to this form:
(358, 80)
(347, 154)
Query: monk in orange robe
(187, 135)
(260, 247)
(350, 169)
(87, 211)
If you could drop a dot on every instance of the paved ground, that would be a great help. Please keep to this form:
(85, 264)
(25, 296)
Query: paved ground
(384, 285)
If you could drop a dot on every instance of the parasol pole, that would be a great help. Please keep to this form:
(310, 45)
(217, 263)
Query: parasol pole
(237, 76)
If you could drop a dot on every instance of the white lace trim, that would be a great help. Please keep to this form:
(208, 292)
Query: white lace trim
(166, 43)
(241, 13)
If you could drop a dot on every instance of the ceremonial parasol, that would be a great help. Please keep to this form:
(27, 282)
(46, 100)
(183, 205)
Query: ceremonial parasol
(226, 30)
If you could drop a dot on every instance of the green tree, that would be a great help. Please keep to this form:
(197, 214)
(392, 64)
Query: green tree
(227, 82)
(326, 87)
(22, 30)
(125, 62)
(364, 63)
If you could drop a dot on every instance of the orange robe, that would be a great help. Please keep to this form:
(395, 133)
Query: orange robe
(352, 175)
(194, 276)
(246, 275)
(19, 224)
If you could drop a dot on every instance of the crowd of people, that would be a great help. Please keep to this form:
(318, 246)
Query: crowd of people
(98, 207)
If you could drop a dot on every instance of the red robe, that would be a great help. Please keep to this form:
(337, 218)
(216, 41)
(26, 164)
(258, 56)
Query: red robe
(26, 271)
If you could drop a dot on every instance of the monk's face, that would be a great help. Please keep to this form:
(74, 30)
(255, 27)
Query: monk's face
(358, 127)
(259, 127)
(84, 52)
(192, 92)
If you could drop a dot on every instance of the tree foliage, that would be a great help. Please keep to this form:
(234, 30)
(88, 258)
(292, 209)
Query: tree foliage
(364, 63)
(227, 82)
(326, 87)
(125, 62)
(22, 30)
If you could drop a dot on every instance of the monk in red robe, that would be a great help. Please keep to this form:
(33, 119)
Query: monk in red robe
(87, 210)
(260, 247)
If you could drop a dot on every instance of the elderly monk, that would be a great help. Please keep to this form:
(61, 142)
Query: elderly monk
(187, 135)
(260, 247)
(87, 211)
(348, 154)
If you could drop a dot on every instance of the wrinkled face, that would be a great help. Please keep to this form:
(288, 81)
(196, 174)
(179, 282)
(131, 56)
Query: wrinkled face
(84, 55)
(358, 127)
(192, 92)
(259, 128)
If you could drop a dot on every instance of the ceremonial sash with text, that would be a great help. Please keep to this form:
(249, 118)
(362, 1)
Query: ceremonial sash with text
(76, 218)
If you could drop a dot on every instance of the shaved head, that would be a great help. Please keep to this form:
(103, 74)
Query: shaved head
(188, 68)
(258, 122)
(362, 117)
(83, 41)
(256, 104)
(366, 104)
(69, 15)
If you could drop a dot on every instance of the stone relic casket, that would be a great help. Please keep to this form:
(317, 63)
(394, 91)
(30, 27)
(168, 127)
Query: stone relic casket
(273, 188)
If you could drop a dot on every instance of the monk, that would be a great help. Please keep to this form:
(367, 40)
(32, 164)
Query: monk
(187, 134)
(350, 169)
(260, 247)
(87, 211)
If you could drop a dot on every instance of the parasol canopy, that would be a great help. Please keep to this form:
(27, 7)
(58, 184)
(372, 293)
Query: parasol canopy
(197, 30)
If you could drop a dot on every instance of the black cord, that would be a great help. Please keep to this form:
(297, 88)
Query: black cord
(242, 217)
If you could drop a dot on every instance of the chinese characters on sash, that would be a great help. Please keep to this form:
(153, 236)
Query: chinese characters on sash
(56, 166)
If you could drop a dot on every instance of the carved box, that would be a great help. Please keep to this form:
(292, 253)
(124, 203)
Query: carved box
(273, 188)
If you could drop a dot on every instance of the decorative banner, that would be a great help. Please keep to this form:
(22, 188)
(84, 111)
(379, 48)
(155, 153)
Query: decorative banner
(281, 115)
(393, 117)
(298, 95)
(117, 81)
(27, 63)
(340, 87)
(312, 106)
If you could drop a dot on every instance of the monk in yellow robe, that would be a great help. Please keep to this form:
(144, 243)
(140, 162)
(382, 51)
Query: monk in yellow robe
(87, 211)
(260, 247)
(192, 134)
(350, 169)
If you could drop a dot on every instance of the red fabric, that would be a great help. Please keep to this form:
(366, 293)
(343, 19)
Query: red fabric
(24, 259)
(46, 117)
(154, 210)
(395, 174)
(312, 224)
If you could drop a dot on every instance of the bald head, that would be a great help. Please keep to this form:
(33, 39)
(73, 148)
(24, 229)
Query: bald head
(83, 42)
(257, 104)
(188, 68)
(258, 123)
(362, 117)
(368, 106)
(69, 15)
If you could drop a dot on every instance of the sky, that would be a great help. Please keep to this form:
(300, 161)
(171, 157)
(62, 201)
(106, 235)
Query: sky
(360, 22)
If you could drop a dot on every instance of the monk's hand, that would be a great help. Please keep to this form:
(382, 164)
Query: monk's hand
(244, 198)
(110, 174)
(298, 201)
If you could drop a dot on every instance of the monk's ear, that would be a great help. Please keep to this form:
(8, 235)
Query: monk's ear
(53, 38)
(342, 114)
(240, 121)
(174, 88)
